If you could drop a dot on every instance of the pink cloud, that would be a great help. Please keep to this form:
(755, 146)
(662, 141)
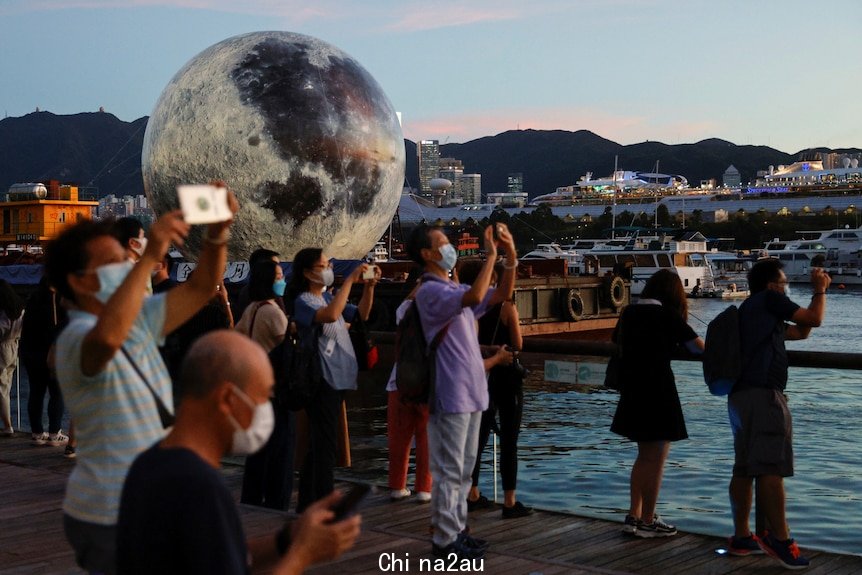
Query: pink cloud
(430, 17)
(624, 129)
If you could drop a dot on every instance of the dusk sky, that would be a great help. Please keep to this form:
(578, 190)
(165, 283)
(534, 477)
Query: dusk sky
(785, 74)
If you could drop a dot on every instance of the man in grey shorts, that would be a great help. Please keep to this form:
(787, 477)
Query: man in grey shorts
(759, 417)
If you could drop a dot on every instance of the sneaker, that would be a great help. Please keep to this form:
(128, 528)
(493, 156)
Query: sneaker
(481, 503)
(7, 432)
(57, 439)
(69, 453)
(631, 524)
(423, 497)
(742, 546)
(785, 552)
(39, 438)
(517, 510)
(459, 549)
(657, 528)
(399, 494)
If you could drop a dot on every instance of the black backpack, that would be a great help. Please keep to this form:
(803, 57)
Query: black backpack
(722, 354)
(415, 360)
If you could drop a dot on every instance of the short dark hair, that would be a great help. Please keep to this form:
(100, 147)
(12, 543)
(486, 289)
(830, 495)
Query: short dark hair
(761, 273)
(261, 254)
(68, 253)
(419, 239)
(260, 281)
(126, 229)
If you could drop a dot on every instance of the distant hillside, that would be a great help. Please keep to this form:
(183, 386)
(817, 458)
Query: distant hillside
(100, 150)
(96, 149)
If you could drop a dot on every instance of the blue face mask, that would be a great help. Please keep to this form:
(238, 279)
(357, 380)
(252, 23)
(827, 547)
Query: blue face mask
(111, 276)
(449, 255)
(278, 287)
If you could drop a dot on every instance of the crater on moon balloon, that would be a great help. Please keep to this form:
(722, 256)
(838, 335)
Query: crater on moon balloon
(301, 132)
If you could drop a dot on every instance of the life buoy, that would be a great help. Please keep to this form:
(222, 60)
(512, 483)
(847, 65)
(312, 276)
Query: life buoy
(614, 291)
(573, 305)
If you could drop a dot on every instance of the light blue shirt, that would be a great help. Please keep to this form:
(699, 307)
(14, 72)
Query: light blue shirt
(115, 415)
(336, 350)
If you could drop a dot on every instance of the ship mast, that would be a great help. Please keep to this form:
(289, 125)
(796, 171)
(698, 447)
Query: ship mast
(614, 210)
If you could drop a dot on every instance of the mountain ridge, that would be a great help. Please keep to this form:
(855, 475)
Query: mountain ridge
(98, 149)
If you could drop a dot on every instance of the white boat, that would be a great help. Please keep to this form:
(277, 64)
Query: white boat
(553, 251)
(642, 256)
(378, 254)
(837, 251)
(727, 274)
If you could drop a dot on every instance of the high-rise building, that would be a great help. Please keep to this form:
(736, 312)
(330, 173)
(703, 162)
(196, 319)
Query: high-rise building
(451, 169)
(429, 164)
(515, 183)
(470, 186)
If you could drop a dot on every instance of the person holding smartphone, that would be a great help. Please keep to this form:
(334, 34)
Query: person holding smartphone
(315, 307)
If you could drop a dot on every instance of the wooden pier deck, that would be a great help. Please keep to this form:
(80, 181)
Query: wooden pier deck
(33, 480)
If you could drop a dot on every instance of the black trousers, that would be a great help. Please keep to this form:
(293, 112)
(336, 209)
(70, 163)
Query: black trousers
(41, 381)
(507, 399)
(267, 480)
(317, 475)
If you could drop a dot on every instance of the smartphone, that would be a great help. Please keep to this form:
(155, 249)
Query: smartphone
(369, 273)
(203, 204)
(349, 502)
(497, 229)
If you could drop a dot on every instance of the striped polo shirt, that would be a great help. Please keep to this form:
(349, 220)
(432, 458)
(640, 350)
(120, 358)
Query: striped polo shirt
(115, 415)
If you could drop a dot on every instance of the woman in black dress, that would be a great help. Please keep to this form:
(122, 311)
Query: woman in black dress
(649, 411)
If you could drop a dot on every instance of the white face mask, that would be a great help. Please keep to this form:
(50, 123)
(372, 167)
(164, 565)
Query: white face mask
(327, 277)
(248, 441)
(142, 243)
(449, 257)
(111, 276)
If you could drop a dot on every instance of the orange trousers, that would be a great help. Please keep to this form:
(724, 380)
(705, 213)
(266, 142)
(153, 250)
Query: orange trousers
(406, 420)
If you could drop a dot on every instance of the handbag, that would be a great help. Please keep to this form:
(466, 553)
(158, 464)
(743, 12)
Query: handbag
(363, 347)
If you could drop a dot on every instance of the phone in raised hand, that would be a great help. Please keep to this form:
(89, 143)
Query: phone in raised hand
(204, 204)
(369, 273)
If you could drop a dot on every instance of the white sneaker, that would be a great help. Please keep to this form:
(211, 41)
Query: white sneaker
(423, 496)
(399, 494)
(39, 438)
(57, 439)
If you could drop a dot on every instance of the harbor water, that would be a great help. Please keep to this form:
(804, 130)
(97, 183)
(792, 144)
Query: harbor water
(570, 461)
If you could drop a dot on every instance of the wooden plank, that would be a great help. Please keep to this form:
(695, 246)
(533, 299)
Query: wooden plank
(546, 542)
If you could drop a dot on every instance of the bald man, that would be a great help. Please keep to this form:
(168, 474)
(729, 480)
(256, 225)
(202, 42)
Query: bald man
(176, 513)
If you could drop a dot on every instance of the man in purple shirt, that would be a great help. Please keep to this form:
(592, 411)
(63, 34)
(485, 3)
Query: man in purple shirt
(461, 392)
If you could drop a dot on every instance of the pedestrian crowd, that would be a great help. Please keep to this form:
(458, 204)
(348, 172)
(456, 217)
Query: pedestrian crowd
(164, 379)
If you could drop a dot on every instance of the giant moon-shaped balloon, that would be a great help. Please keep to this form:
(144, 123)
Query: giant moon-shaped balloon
(302, 133)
